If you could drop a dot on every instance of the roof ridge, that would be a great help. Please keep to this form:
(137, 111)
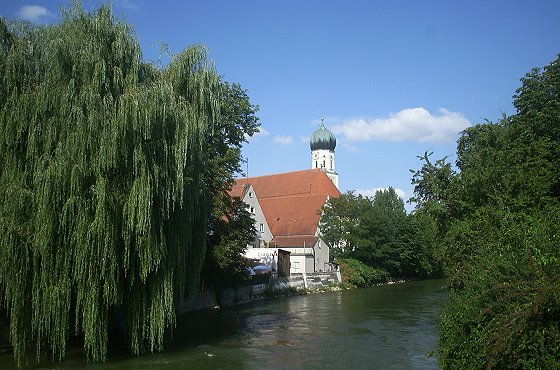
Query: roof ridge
(297, 195)
(278, 174)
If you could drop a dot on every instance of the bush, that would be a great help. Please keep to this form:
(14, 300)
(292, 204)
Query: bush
(507, 314)
(360, 275)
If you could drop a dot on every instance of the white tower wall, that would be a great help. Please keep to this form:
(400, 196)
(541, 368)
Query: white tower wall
(324, 160)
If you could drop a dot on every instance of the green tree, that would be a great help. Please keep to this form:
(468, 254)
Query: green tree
(393, 240)
(108, 171)
(225, 264)
(340, 223)
(433, 190)
(378, 232)
(498, 235)
(237, 121)
(230, 227)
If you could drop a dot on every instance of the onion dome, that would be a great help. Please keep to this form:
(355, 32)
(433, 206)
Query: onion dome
(322, 139)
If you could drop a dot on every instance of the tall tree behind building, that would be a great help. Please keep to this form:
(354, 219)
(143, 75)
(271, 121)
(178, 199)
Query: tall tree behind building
(378, 232)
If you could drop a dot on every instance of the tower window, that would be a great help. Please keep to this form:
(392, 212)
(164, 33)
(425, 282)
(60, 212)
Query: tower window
(261, 228)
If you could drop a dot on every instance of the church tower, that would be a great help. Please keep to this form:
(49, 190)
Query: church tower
(322, 145)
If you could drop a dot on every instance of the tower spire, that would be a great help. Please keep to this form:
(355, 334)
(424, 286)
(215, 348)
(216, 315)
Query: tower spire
(322, 144)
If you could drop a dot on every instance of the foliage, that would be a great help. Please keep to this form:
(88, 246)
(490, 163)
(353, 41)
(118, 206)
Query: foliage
(109, 169)
(237, 121)
(360, 275)
(340, 222)
(432, 190)
(507, 313)
(499, 234)
(230, 226)
(225, 265)
(378, 232)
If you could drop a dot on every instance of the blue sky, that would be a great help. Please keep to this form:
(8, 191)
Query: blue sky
(391, 78)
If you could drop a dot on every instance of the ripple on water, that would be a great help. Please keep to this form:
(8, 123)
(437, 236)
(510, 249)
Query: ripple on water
(389, 327)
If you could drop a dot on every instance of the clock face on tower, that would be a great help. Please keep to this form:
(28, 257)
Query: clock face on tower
(315, 155)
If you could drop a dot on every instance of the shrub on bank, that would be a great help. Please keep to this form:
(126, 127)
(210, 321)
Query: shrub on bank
(360, 275)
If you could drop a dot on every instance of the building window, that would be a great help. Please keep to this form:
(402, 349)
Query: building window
(261, 228)
(253, 210)
(250, 194)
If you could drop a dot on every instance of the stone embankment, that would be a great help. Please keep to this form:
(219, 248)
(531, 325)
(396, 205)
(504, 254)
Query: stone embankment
(276, 286)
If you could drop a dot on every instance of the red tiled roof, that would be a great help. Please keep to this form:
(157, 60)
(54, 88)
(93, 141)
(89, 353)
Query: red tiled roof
(297, 215)
(314, 182)
(291, 201)
(294, 241)
(238, 190)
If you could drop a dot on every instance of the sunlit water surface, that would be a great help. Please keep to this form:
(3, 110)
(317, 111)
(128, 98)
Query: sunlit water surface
(387, 327)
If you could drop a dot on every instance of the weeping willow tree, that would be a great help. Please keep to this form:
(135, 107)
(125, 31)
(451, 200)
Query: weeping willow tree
(101, 183)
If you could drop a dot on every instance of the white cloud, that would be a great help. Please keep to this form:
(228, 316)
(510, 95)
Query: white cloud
(411, 124)
(283, 140)
(33, 13)
(371, 192)
(261, 132)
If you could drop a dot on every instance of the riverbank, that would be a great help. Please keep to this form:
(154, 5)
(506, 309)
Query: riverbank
(392, 326)
(278, 286)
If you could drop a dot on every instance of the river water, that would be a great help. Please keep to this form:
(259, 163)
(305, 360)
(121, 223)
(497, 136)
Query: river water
(386, 327)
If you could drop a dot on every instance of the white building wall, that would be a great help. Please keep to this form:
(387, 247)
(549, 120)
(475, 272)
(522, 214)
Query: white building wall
(321, 256)
(309, 263)
(301, 264)
(253, 206)
(309, 259)
(297, 264)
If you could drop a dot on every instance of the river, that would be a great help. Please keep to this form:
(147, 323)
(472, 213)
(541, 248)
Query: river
(386, 327)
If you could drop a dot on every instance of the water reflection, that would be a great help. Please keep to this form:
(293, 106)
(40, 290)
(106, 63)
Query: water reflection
(389, 327)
